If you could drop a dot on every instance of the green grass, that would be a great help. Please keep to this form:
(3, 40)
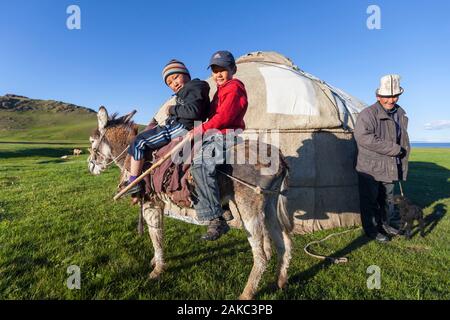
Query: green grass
(54, 214)
(40, 125)
(48, 126)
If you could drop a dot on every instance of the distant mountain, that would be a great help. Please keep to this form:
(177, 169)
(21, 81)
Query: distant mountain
(12, 102)
(25, 119)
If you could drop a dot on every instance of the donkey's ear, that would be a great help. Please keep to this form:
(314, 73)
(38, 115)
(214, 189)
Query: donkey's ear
(126, 118)
(102, 117)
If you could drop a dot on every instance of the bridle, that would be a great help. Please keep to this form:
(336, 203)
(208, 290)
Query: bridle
(95, 151)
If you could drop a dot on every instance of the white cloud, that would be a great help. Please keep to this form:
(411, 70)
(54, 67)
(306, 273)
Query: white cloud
(438, 125)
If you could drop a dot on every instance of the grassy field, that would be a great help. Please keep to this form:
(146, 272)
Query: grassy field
(38, 126)
(54, 214)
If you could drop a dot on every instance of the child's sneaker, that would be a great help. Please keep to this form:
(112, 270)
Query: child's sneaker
(135, 191)
(216, 229)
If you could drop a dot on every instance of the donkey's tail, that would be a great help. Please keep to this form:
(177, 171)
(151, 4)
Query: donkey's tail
(284, 218)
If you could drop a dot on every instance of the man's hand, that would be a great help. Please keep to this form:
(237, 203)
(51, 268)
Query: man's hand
(402, 153)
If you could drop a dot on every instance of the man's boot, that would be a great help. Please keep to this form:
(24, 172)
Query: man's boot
(390, 230)
(216, 229)
(382, 238)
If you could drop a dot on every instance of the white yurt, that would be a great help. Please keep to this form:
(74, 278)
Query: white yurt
(314, 122)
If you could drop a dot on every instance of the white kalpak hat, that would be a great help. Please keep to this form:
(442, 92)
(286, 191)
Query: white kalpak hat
(390, 86)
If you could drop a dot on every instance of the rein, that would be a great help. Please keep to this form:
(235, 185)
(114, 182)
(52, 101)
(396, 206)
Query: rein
(256, 189)
(95, 151)
(114, 159)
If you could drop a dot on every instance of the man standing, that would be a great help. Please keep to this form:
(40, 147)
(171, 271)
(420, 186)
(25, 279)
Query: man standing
(383, 150)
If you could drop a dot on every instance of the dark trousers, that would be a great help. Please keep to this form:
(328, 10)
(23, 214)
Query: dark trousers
(376, 203)
(203, 170)
(155, 138)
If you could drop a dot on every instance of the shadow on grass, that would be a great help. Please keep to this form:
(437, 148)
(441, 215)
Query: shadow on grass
(37, 142)
(223, 252)
(208, 253)
(305, 276)
(207, 249)
(22, 263)
(35, 152)
(194, 257)
(427, 183)
(432, 220)
(51, 161)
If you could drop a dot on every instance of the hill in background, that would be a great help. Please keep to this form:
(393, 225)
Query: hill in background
(25, 119)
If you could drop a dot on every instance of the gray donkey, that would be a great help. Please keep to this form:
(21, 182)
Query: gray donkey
(263, 214)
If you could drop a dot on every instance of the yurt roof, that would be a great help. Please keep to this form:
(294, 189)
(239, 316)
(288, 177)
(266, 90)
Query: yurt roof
(281, 96)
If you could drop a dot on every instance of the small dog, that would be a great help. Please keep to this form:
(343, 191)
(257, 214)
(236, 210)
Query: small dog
(408, 213)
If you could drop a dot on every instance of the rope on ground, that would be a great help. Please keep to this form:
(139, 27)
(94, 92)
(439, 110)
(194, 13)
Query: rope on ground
(335, 260)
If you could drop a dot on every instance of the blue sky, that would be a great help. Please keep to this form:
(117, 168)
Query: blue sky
(116, 58)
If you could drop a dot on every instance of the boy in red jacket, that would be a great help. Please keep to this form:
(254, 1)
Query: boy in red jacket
(228, 108)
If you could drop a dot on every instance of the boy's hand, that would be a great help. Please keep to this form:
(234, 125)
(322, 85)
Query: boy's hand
(167, 109)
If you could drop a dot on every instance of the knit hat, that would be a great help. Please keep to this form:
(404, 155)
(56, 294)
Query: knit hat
(174, 66)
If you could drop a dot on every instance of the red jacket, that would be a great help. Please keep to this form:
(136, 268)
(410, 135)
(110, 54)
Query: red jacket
(228, 107)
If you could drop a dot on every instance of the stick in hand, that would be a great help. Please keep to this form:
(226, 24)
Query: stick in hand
(154, 166)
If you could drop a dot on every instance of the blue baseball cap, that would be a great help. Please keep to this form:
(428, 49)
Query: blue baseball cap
(222, 59)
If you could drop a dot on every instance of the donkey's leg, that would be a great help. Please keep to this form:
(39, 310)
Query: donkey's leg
(267, 245)
(282, 241)
(283, 268)
(236, 222)
(283, 247)
(154, 219)
(254, 225)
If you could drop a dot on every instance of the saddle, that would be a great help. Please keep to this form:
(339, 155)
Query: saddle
(172, 179)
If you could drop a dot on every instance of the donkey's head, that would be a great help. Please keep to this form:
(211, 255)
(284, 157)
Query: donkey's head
(109, 142)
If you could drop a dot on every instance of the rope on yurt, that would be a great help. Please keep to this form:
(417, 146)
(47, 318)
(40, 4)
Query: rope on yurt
(335, 260)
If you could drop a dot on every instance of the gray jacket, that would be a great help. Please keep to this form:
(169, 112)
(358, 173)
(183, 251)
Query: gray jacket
(376, 138)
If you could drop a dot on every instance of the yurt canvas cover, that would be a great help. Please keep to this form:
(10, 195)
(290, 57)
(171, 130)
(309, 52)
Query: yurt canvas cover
(315, 123)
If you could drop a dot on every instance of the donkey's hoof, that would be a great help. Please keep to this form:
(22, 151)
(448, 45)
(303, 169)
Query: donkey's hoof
(155, 275)
(245, 296)
(282, 283)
